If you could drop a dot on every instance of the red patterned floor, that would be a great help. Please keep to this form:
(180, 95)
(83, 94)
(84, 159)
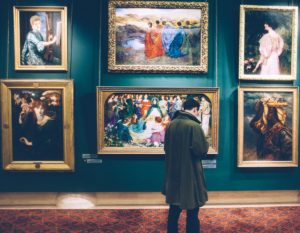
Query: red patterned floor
(213, 220)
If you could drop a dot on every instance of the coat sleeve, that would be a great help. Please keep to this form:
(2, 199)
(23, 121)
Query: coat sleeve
(199, 144)
(166, 140)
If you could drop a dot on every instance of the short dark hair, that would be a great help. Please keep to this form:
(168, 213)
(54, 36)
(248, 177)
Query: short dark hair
(190, 103)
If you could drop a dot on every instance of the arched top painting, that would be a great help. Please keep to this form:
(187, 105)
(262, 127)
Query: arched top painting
(268, 42)
(158, 36)
(133, 120)
(40, 38)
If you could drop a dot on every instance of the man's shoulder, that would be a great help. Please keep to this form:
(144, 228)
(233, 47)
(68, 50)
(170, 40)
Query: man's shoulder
(185, 121)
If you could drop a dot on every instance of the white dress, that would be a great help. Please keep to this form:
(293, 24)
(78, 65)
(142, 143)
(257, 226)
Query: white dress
(271, 45)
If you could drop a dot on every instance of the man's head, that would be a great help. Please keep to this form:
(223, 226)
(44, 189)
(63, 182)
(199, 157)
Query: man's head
(35, 22)
(191, 106)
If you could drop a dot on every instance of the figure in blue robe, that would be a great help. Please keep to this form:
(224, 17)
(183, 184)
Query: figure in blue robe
(175, 47)
(123, 131)
(168, 33)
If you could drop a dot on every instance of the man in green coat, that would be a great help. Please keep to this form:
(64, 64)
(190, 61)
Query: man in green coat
(184, 185)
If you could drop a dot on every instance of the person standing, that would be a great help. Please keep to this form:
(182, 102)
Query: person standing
(184, 185)
(205, 115)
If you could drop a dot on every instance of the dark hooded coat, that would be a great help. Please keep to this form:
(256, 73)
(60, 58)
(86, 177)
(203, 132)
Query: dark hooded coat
(185, 145)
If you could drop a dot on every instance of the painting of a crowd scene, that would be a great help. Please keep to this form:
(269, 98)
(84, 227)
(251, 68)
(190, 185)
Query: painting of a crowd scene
(135, 120)
(36, 124)
(268, 41)
(268, 121)
(158, 36)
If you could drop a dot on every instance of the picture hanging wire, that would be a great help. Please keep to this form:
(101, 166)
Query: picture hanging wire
(216, 43)
(239, 81)
(71, 41)
(100, 45)
(7, 48)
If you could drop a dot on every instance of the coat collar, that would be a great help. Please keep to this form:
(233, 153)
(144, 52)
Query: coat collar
(183, 114)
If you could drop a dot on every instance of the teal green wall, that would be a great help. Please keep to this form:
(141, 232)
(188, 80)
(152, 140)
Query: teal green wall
(87, 31)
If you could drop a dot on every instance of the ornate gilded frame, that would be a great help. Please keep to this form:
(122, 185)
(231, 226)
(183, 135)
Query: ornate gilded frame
(166, 68)
(249, 138)
(104, 93)
(247, 63)
(18, 12)
(65, 87)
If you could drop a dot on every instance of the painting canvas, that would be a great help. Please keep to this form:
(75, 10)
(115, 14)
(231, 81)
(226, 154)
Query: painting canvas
(134, 120)
(268, 42)
(158, 36)
(37, 123)
(268, 127)
(40, 38)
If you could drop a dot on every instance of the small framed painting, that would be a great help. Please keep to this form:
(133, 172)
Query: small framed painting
(37, 125)
(268, 42)
(40, 38)
(268, 127)
(158, 36)
(133, 120)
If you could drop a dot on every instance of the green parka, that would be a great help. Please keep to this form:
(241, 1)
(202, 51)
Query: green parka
(185, 145)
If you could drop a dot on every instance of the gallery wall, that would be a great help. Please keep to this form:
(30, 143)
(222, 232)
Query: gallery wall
(87, 66)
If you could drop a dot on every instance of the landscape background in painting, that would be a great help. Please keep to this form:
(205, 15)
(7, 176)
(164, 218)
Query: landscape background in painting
(254, 30)
(37, 115)
(132, 26)
(140, 119)
(250, 137)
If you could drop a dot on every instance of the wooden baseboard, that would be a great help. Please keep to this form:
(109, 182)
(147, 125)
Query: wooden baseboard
(119, 199)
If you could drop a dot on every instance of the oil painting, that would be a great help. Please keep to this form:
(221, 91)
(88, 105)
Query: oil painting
(268, 42)
(268, 127)
(34, 124)
(40, 38)
(158, 36)
(134, 120)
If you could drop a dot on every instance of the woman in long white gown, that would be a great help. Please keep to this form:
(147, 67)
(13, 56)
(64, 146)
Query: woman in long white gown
(270, 48)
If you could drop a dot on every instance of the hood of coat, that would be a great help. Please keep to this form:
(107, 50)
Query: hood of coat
(185, 115)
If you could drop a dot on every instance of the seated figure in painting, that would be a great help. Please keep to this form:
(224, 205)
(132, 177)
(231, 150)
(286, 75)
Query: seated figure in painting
(138, 131)
(158, 132)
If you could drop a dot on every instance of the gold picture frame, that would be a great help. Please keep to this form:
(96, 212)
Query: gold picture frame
(37, 125)
(268, 42)
(267, 127)
(40, 38)
(153, 36)
(132, 120)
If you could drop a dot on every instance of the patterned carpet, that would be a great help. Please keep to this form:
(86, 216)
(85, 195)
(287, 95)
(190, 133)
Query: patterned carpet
(213, 220)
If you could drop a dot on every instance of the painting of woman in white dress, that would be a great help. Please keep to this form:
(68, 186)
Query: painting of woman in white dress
(268, 42)
(270, 48)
